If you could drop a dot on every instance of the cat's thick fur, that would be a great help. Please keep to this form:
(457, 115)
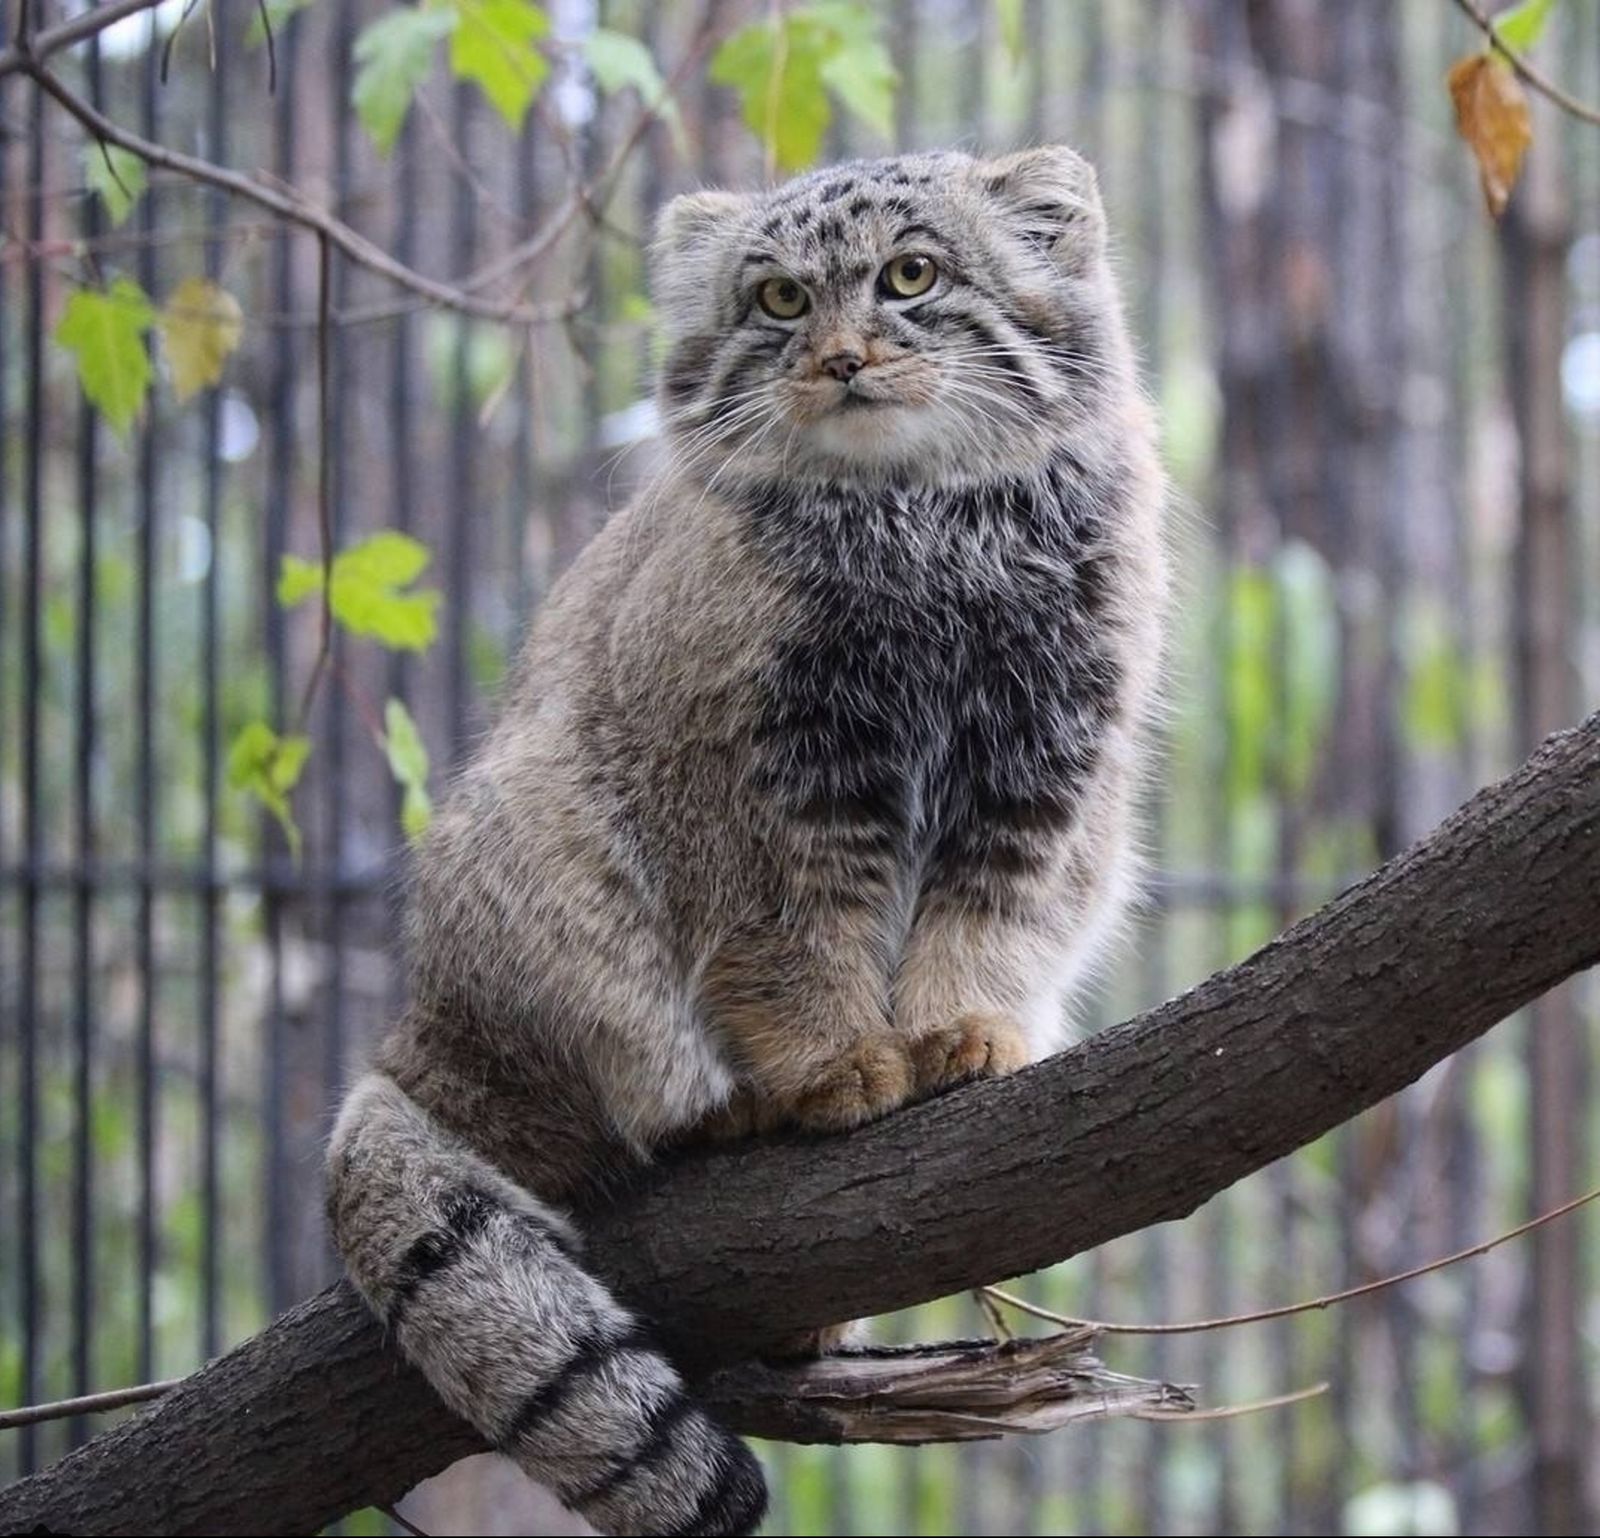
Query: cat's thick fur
(811, 794)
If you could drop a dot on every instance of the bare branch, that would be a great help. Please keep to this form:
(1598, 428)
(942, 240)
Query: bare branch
(1530, 76)
(27, 54)
(288, 206)
(735, 1249)
(86, 1404)
(587, 198)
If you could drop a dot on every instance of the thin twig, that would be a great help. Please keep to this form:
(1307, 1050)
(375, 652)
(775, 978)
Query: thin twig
(85, 1404)
(1228, 1412)
(65, 34)
(172, 37)
(991, 1312)
(265, 12)
(458, 162)
(287, 206)
(1200, 1326)
(16, 248)
(583, 199)
(111, 169)
(598, 192)
(1540, 82)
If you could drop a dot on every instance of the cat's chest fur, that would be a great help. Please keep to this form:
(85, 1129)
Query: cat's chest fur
(945, 676)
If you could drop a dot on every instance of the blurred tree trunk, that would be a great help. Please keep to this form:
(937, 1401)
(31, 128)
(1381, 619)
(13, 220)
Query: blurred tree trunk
(1302, 203)
(1303, 209)
(1536, 239)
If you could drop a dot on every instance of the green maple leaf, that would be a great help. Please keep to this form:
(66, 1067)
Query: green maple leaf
(105, 331)
(784, 69)
(777, 70)
(494, 48)
(393, 57)
(367, 590)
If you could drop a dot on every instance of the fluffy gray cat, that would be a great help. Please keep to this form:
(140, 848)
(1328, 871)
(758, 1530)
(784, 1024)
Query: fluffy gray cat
(811, 795)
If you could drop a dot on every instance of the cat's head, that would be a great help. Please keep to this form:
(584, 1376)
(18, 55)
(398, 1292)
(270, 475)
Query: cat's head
(927, 317)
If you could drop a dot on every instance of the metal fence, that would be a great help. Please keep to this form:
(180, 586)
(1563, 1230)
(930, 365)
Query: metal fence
(1384, 417)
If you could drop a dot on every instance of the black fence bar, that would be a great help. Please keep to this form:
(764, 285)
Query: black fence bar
(33, 1319)
(210, 990)
(146, 807)
(85, 749)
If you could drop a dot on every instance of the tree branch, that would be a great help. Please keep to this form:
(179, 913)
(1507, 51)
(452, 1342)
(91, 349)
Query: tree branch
(730, 1250)
(74, 30)
(290, 206)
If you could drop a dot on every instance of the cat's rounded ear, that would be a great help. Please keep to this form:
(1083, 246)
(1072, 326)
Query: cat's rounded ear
(1049, 198)
(683, 256)
(693, 217)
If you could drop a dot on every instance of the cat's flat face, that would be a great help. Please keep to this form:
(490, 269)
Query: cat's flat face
(926, 316)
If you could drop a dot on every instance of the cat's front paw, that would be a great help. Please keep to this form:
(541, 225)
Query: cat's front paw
(873, 1078)
(975, 1046)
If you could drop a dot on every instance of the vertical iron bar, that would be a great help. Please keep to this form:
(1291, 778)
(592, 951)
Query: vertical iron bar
(904, 44)
(1152, 177)
(9, 1057)
(1537, 236)
(209, 1023)
(1218, 38)
(83, 1232)
(525, 474)
(280, 496)
(336, 423)
(463, 478)
(402, 457)
(145, 782)
(28, 1000)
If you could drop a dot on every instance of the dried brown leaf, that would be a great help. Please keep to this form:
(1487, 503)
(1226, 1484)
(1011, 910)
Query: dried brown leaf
(1492, 116)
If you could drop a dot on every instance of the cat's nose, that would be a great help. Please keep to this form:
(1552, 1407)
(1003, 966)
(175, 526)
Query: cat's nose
(843, 365)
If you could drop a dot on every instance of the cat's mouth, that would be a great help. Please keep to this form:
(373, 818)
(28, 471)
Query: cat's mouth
(854, 402)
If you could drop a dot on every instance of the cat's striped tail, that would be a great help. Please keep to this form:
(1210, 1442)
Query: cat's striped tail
(482, 1288)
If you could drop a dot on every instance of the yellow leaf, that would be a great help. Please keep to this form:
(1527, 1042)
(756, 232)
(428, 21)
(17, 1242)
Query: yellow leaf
(1492, 116)
(200, 326)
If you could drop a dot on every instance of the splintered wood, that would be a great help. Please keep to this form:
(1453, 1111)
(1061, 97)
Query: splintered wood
(959, 1391)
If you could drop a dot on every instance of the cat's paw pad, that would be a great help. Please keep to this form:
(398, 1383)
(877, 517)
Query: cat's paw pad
(976, 1046)
(870, 1080)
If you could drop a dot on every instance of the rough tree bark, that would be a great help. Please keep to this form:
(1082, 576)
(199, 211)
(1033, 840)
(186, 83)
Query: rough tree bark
(729, 1250)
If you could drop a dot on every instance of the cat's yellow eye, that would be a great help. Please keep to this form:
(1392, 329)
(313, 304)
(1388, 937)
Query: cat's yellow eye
(907, 276)
(783, 299)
